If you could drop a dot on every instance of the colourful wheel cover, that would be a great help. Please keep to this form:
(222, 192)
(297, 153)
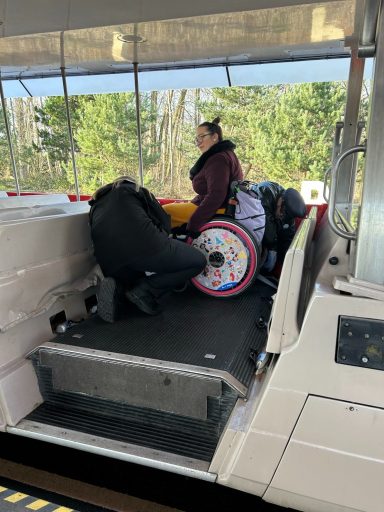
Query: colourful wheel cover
(232, 260)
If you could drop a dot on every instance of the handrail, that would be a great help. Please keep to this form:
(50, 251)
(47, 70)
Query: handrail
(367, 43)
(138, 122)
(336, 140)
(347, 225)
(335, 154)
(332, 196)
(70, 133)
(325, 186)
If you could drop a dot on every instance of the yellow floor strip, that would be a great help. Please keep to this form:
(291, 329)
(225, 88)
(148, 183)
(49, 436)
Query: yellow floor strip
(62, 509)
(37, 505)
(2, 489)
(14, 498)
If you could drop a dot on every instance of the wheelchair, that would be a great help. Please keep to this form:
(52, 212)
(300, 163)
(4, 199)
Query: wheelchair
(233, 258)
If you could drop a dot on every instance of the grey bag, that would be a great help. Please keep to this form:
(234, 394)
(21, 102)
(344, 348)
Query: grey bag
(250, 213)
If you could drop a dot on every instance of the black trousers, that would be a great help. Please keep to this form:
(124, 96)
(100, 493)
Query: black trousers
(173, 265)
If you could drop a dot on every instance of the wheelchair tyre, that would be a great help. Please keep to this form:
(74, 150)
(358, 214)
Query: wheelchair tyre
(233, 258)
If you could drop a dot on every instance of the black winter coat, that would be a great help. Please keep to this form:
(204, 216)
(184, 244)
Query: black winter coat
(127, 226)
(279, 233)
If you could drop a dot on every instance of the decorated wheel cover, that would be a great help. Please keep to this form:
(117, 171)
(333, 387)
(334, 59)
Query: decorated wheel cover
(227, 257)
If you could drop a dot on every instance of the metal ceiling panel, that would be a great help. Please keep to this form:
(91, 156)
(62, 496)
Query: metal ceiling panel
(278, 33)
(21, 17)
(24, 17)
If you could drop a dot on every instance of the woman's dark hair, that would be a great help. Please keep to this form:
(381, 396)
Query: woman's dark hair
(213, 127)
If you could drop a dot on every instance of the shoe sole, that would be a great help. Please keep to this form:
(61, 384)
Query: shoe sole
(132, 297)
(106, 305)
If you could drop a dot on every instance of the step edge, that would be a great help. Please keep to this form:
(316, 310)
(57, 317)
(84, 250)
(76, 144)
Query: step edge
(143, 361)
(127, 452)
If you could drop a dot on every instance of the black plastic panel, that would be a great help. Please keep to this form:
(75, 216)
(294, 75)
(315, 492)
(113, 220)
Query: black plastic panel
(360, 342)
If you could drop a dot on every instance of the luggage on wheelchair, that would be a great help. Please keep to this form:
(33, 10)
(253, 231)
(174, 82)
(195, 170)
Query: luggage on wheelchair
(245, 206)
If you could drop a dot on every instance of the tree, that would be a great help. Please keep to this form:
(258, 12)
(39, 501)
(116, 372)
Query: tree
(233, 106)
(107, 138)
(6, 173)
(53, 127)
(292, 141)
(53, 137)
(283, 133)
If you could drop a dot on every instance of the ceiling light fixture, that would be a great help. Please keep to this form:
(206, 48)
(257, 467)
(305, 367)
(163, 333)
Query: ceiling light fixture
(131, 38)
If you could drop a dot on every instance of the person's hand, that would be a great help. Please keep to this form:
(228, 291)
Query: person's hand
(180, 230)
(183, 231)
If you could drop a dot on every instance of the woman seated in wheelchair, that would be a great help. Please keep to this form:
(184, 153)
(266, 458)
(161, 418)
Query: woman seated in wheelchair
(211, 177)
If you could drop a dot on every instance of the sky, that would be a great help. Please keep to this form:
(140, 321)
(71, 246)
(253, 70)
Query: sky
(242, 75)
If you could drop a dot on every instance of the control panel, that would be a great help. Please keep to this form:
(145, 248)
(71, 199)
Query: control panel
(360, 342)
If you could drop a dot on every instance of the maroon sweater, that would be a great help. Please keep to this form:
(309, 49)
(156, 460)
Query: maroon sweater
(212, 186)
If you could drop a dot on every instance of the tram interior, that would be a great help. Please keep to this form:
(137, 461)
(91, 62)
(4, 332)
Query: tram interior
(185, 391)
(129, 379)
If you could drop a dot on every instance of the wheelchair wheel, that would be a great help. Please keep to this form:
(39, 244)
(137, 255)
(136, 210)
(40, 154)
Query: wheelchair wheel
(232, 258)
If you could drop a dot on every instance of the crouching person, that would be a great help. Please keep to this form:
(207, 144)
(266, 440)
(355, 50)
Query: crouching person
(281, 208)
(129, 230)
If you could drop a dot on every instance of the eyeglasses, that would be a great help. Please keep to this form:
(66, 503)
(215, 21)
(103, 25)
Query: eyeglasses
(200, 138)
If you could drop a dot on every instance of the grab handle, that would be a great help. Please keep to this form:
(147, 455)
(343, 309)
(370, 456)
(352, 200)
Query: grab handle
(326, 179)
(332, 194)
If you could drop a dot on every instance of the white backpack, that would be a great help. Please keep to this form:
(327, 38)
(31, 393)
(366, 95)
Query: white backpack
(249, 211)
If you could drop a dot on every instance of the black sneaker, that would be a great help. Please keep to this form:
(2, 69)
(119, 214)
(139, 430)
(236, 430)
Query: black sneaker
(145, 303)
(107, 300)
(181, 288)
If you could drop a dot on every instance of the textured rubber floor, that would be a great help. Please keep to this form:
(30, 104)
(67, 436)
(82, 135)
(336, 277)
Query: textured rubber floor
(193, 329)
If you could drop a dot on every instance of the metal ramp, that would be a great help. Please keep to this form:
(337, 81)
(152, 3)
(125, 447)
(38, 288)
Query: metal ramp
(155, 389)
